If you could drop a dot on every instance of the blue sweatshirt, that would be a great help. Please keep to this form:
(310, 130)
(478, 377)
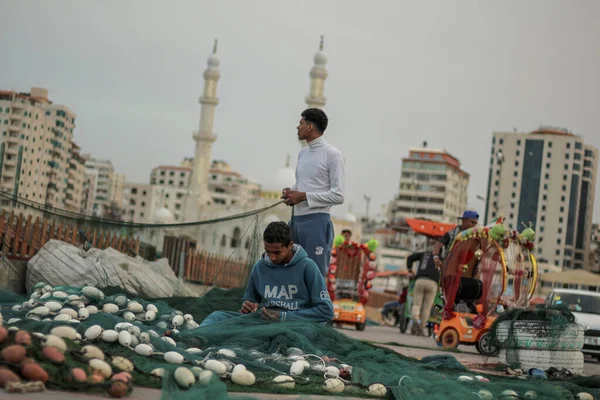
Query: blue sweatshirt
(296, 289)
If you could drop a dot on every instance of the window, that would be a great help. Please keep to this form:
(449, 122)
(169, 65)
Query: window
(557, 252)
(497, 183)
(543, 207)
(549, 155)
(518, 153)
(577, 156)
(515, 174)
(568, 145)
(514, 184)
(566, 167)
(514, 195)
(587, 163)
(516, 163)
(564, 188)
(558, 241)
(588, 153)
(562, 198)
(543, 218)
(576, 167)
(587, 174)
(562, 209)
(578, 145)
(518, 142)
(501, 141)
(549, 144)
(545, 197)
(546, 176)
(559, 230)
(545, 186)
(133, 190)
(171, 173)
(547, 165)
(565, 177)
(223, 241)
(567, 156)
(560, 220)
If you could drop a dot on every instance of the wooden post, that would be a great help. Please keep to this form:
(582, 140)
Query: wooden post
(9, 233)
(26, 237)
(137, 246)
(35, 238)
(94, 239)
(44, 237)
(18, 235)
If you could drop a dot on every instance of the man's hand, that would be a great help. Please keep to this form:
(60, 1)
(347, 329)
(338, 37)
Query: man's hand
(248, 307)
(270, 315)
(294, 197)
(438, 262)
(285, 192)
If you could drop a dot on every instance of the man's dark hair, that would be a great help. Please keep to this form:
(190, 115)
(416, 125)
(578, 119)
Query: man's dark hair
(278, 232)
(316, 117)
(347, 231)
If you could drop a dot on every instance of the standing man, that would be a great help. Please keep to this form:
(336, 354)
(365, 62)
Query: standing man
(425, 290)
(468, 220)
(320, 184)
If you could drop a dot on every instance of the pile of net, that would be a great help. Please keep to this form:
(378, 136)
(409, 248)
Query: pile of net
(542, 338)
(111, 341)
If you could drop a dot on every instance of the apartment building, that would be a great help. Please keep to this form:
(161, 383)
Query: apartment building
(547, 178)
(109, 185)
(432, 185)
(36, 144)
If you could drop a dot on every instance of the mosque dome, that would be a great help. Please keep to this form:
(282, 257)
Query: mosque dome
(350, 217)
(163, 216)
(320, 57)
(213, 60)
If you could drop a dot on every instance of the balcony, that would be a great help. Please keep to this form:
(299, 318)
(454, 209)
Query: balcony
(8, 172)
(16, 117)
(12, 162)
(14, 128)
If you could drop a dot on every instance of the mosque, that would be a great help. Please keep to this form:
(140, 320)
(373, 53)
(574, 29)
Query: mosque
(204, 189)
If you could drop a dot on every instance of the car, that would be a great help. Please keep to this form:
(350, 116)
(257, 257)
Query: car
(348, 311)
(585, 305)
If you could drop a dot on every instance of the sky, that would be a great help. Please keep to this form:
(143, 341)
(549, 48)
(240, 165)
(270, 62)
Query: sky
(448, 72)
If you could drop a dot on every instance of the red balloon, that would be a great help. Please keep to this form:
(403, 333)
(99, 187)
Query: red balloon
(372, 257)
(369, 285)
(370, 275)
(364, 299)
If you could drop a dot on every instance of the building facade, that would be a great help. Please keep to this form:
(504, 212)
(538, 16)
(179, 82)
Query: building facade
(547, 178)
(432, 186)
(38, 159)
(109, 186)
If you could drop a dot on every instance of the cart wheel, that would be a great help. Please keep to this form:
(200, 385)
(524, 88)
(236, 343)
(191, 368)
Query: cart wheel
(449, 339)
(487, 346)
(360, 326)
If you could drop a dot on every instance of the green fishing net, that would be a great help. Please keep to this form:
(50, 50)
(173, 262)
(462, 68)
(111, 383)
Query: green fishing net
(267, 349)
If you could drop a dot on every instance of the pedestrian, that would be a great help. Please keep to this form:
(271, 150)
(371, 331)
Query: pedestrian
(320, 184)
(426, 288)
(468, 220)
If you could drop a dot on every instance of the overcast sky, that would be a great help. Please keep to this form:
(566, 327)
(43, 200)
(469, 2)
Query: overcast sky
(449, 72)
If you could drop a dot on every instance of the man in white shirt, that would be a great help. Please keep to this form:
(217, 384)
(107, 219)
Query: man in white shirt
(320, 184)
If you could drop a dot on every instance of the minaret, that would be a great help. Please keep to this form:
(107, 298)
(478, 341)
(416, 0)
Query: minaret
(318, 75)
(205, 136)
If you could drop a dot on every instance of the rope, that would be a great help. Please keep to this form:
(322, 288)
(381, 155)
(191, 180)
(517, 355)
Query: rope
(87, 218)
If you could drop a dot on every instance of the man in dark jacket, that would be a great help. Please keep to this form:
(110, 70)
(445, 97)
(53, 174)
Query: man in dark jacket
(426, 287)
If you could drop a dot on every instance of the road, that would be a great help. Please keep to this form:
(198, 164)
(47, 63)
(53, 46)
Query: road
(419, 347)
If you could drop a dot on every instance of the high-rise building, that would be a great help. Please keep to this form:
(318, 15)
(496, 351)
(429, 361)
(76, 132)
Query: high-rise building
(547, 178)
(108, 183)
(36, 145)
(75, 180)
(432, 186)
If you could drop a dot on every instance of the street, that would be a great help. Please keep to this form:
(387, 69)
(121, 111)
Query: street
(419, 346)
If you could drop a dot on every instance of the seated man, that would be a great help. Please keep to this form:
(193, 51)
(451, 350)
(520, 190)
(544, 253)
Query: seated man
(284, 285)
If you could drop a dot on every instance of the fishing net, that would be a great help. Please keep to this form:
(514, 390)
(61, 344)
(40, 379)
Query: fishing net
(266, 349)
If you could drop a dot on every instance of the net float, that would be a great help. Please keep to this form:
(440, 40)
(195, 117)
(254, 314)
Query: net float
(93, 332)
(172, 357)
(284, 381)
(110, 336)
(184, 377)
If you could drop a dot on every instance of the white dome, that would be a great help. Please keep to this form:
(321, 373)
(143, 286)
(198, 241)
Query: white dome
(213, 61)
(320, 58)
(163, 216)
(285, 177)
(350, 217)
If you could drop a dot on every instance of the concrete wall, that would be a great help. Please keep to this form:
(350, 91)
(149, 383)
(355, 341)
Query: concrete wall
(12, 275)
